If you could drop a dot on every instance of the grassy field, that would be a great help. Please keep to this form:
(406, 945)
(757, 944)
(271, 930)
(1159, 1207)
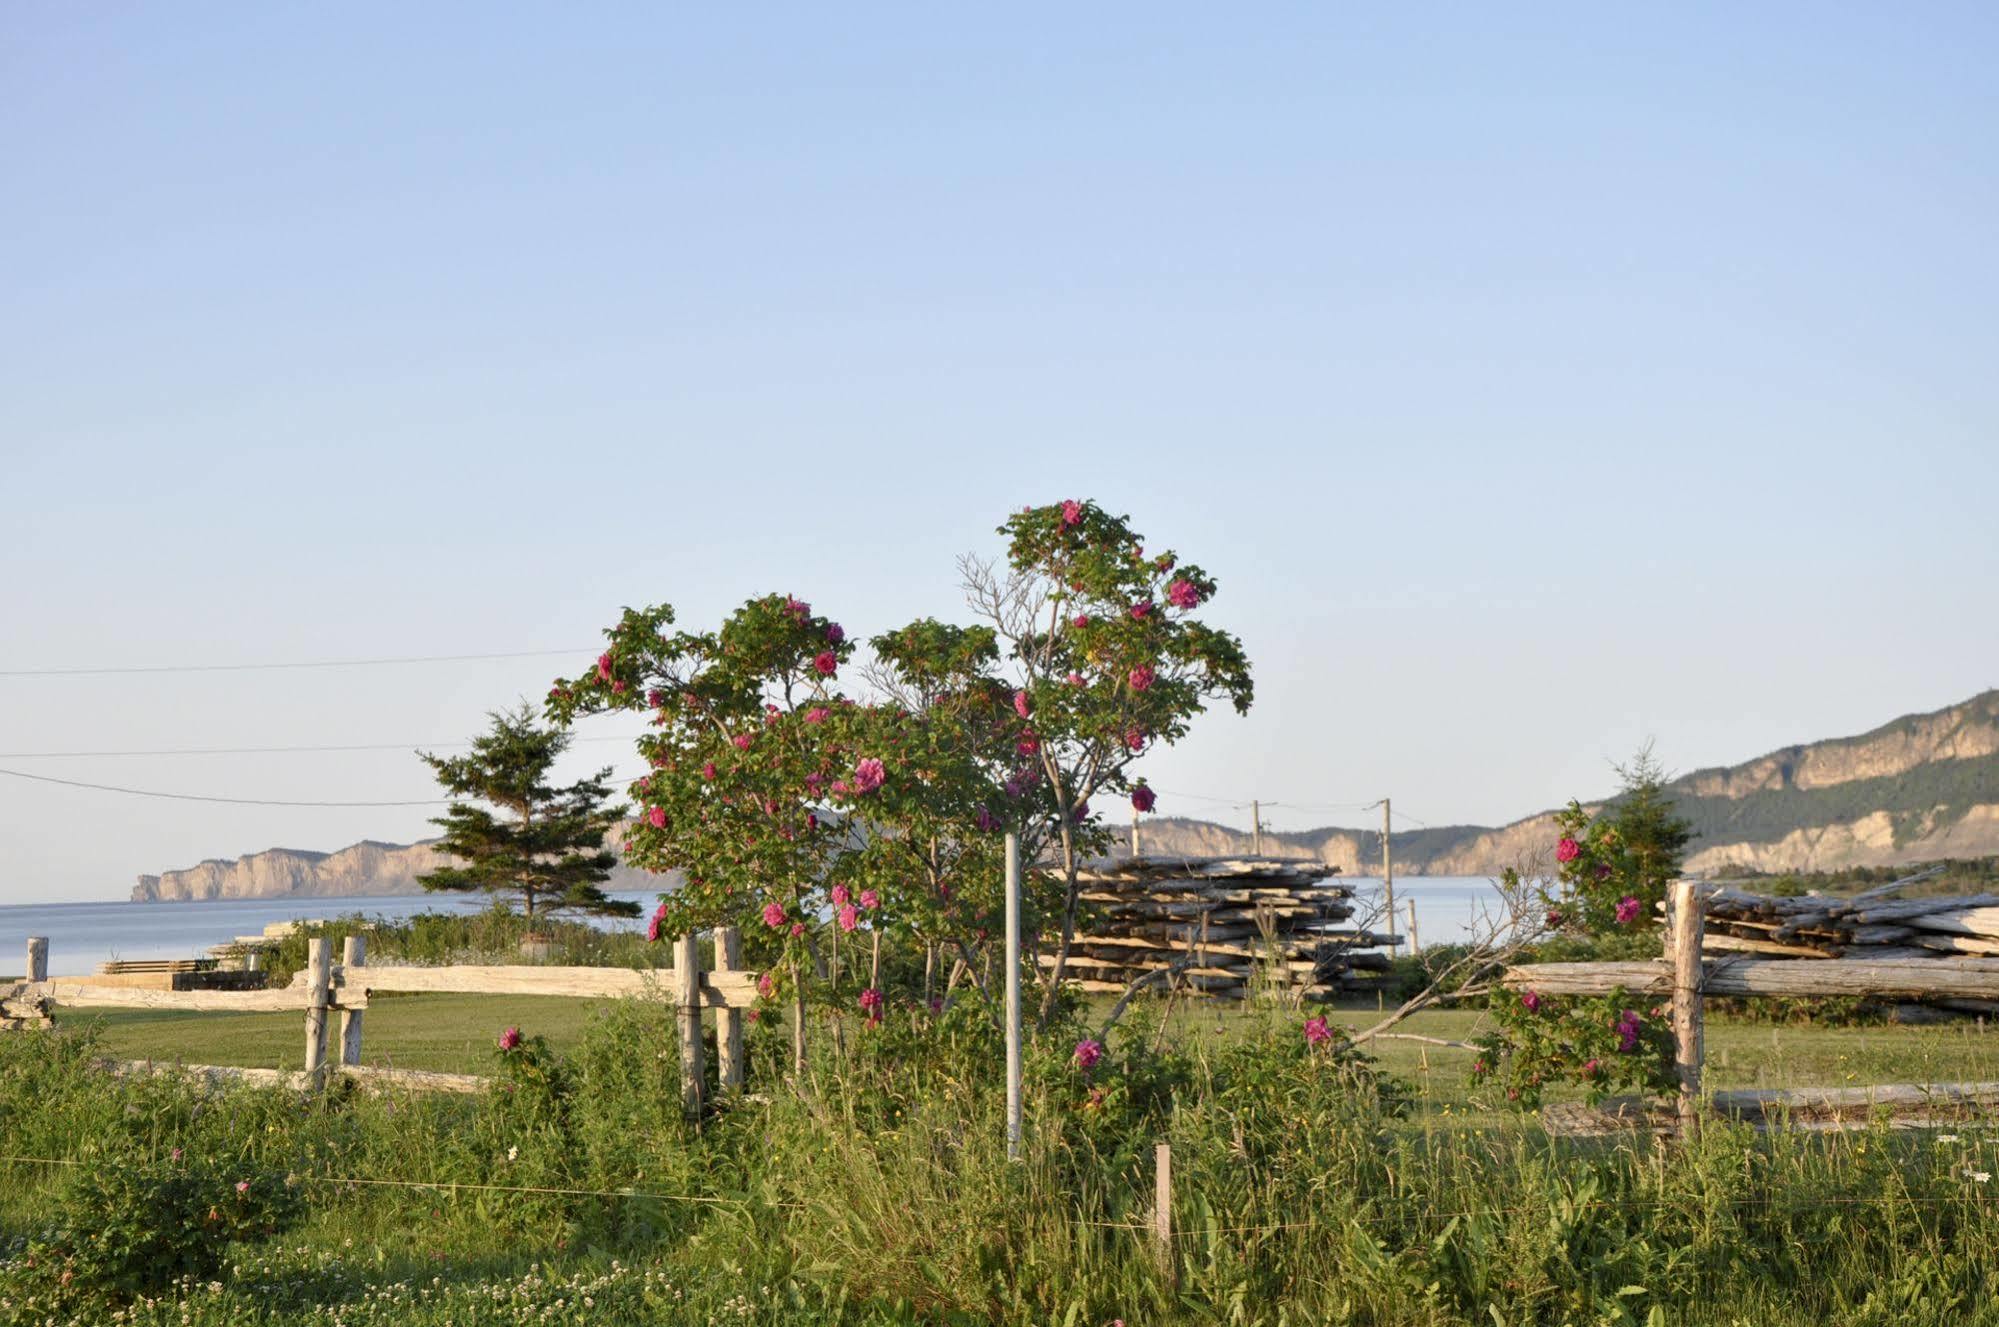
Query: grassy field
(456, 1033)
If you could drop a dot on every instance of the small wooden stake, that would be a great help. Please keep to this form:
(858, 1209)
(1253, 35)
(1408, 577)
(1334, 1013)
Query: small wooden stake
(1686, 925)
(319, 988)
(38, 958)
(353, 958)
(1162, 1210)
(687, 994)
(729, 1036)
(1013, 1078)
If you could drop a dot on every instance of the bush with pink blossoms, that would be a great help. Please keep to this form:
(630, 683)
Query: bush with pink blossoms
(1604, 1045)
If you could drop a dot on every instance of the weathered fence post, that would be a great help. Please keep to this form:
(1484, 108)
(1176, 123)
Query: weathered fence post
(687, 994)
(729, 1033)
(1162, 1210)
(1686, 926)
(38, 958)
(353, 957)
(319, 989)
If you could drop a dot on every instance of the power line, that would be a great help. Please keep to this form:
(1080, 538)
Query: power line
(258, 750)
(195, 797)
(262, 667)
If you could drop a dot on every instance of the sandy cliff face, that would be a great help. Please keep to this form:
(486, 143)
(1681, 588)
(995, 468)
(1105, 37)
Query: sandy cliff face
(1961, 732)
(365, 868)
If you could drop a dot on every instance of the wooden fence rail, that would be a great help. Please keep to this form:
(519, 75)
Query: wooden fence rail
(324, 988)
(1687, 977)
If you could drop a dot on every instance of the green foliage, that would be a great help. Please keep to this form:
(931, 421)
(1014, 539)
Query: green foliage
(547, 852)
(1601, 1043)
(129, 1227)
(492, 935)
(1613, 869)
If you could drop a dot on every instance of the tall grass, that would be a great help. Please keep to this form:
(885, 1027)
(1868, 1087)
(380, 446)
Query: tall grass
(875, 1188)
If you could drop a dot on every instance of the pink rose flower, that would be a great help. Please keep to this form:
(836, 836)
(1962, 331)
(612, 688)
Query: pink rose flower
(850, 918)
(826, 663)
(773, 915)
(869, 774)
(742, 741)
(1080, 621)
(797, 929)
(708, 771)
(1028, 745)
(1020, 705)
(1088, 1052)
(835, 633)
(604, 666)
(817, 714)
(871, 1002)
(1141, 610)
(798, 608)
(1532, 1001)
(656, 817)
(1142, 678)
(1628, 909)
(1567, 849)
(1134, 740)
(242, 1186)
(1182, 594)
(1317, 1031)
(655, 698)
(1143, 798)
(510, 1039)
(1072, 512)
(870, 900)
(657, 923)
(1591, 1068)
(840, 895)
(766, 985)
(1075, 679)
(986, 822)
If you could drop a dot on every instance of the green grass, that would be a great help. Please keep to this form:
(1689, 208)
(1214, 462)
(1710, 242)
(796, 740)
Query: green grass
(875, 1189)
(456, 1033)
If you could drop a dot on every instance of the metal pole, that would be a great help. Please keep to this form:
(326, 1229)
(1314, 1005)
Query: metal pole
(1388, 874)
(1013, 997)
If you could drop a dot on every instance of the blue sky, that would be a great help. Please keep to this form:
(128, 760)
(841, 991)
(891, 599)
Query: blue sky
(1533, 381)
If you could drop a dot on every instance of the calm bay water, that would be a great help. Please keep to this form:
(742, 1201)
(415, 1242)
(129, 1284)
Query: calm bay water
(82, 935)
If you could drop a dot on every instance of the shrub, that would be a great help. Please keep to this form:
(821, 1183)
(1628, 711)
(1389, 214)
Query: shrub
(137, 1229)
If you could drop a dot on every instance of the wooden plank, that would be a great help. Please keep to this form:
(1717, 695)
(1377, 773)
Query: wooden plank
(319, 993)
(1683, 948)
(353, 957)
(1957, 944)
(1975, 978)
(729, 1033)
(73, 994)
(719, 990)
(1980, 921)
(687, 995)
(369, 1078)
(1713, 941)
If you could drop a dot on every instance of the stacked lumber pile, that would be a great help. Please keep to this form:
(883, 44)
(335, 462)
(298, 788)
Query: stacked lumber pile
(1218, 921)
(22, 1006)
(1863, 926)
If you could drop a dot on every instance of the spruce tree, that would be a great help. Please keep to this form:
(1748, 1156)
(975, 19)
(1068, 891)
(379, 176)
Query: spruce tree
(545, 848)
(1655, 835)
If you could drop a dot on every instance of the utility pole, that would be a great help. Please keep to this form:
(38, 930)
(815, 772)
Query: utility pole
(1388, 873)
(1134, 832)
(1256, 829)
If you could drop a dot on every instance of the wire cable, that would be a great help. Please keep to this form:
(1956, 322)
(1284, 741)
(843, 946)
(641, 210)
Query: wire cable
(265, 667)
(238, 801)
(261, 750)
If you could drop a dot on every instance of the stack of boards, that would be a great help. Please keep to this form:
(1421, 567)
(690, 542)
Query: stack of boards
(1239, 919)
(1863, 926)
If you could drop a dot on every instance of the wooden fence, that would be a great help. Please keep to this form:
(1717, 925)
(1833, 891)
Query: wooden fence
(325, 989)
(1686, 976)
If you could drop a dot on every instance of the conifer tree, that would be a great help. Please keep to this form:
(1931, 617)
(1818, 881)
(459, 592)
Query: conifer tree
(544, 850)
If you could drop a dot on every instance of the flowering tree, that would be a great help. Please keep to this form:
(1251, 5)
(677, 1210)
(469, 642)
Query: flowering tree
(753, 754)
(1103, 653)
(1613, 869)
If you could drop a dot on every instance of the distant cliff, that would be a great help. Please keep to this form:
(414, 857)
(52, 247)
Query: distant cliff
(1923, 787)
(365, 868)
